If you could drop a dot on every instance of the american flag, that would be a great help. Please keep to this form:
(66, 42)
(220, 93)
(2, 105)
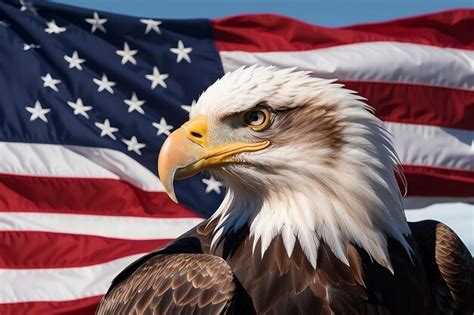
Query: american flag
(88, 97)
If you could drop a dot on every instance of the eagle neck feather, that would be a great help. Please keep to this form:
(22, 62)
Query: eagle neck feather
(339, 205)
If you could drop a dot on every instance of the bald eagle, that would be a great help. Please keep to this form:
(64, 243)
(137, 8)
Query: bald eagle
(312, 221)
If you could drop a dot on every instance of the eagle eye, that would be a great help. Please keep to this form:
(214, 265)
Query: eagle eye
(257, 119)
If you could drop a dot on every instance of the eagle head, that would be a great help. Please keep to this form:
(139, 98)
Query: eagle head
(301, 157)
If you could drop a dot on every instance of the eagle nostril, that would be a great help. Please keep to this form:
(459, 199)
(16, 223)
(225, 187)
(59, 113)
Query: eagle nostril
(196, 134)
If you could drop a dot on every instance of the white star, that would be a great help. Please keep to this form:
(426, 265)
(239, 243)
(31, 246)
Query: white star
(27, 6)
(104, 84)
(135, 104)
(30, 46)
(79, 108)
(182, 52)
(134, 145)
(212, 185)
(106, 129)
(151, 25)
(188, 107)
(163, 127)
(38, 112)
(48, 81)
(74, 60)
(127, 54)
(157, 78)
(23, 6)
(97, 23)
(53, 28)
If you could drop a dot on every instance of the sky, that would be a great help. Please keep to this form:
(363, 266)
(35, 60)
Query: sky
(322, 12)
(460, 217)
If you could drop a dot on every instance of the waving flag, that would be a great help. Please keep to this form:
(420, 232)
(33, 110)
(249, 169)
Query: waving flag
(87, 98)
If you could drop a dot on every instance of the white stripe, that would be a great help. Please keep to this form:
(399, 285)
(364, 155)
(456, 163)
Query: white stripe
(416, 145)
(59, 284)
(372, 61)
(106, 226)
(36, 159)
(433, 146)
(420, 202)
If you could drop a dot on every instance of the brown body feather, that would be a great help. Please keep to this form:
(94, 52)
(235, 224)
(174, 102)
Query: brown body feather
(230, 279)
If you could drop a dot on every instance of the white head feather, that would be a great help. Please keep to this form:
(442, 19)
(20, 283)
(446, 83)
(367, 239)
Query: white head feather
(327, 177)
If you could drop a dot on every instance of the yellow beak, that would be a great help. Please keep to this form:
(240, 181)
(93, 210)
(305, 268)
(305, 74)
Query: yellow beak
(187, 151)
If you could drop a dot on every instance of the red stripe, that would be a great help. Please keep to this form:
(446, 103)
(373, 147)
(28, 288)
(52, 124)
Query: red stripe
(85, 306)
(440, 182)
(267, 32)
(20, 249)
(418, 104)
(80, 196)
(84, 196)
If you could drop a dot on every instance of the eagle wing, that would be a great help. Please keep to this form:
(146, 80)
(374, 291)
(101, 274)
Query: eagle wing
(449, 265)
(173, 284)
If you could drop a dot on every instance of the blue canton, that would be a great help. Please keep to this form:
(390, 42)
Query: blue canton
(74, 76)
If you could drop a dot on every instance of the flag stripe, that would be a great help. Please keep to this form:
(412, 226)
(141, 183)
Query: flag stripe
(368, 62)
(418, 104)
(72, 307)
(27, 250)
(105, 226)
(433, 181)
(59, 284)
(75, 161)
(426, 146)
(419, 202)
(267, 32)
(85, 196)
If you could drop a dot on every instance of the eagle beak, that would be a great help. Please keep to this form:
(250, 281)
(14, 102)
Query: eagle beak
(187, 151)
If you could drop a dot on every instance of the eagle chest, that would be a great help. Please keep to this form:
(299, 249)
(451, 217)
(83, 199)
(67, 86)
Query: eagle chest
(278, 284)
